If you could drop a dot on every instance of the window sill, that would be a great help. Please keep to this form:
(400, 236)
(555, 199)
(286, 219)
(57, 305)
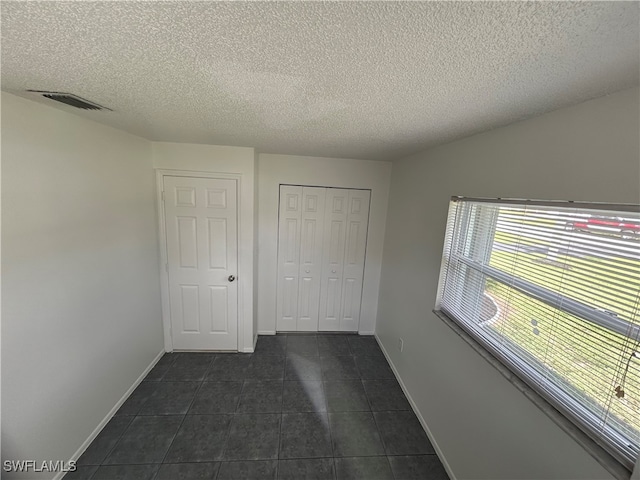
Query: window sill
(604, 458)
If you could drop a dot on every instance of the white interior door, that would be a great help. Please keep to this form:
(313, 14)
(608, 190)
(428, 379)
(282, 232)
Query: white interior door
(313, 200)
(202, 252)
(354, 256)
(289, 228)
(322, 239)
(335, 227)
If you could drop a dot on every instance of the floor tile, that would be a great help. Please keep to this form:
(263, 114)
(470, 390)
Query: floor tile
(256, 470)
(201, 438)
(188, 471)
(170, 398)
(231, 366)
(261, 396)
(374, 367)
(189, 367)
(190, 374)
(364, 345)
(226, 435)
(146, 440)
(193, 359)
(160, 368)
(82, 472)
(305, 435)
(402, 433)
(263, 367)
(156, 373)
(333, 345)
(125, 472)
(339, 368)
(167, 359)
(417, 467)
(253, 437)
(355, 434)
(301, 368)
(137, 399)
(345, 396)
(360, 468)
(271, 345)
(216, 397)
(302, 345)
(303, 397)
(306, 469)
(385, 395)
(105, 441)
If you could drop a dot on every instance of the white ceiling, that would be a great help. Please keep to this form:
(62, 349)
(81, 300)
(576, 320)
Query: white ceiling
(342, 79)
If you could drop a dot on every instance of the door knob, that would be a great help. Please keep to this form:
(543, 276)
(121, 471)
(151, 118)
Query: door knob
(307, 271)
(231, 278)
(333, 271)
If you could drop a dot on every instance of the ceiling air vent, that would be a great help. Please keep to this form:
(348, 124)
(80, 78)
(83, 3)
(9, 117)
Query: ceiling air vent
(71, 100)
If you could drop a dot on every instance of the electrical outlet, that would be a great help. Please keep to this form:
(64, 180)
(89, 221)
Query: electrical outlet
(400, 344)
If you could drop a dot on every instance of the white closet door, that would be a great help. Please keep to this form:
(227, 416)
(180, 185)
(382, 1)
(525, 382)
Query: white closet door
(313, 201)
(289, 228)
(335, 227)
(322, 237)
(355, 249)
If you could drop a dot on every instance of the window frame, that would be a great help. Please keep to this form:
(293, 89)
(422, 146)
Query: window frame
(558, 409)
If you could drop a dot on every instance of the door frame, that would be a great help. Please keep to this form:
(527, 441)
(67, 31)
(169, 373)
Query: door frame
(244, 275)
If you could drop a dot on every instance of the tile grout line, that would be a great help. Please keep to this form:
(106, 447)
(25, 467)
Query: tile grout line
(322, 383)
(130, 421)
(204, 376)
(281, 417)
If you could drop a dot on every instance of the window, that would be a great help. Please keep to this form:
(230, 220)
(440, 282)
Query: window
(552, 290)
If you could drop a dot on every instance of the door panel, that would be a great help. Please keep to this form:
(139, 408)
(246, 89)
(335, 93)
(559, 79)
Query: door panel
(187, 243)
(190, 308)
(217, 241)
(201, 229)
(218, 300)
(356, 244)
(332, 268)
(289, 230)
(313, 200)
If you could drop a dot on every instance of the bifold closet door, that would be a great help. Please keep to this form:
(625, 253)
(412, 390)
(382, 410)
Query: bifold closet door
(345, 242)
(299, 257)
(322, 236)
(333, 261)
(354, 256)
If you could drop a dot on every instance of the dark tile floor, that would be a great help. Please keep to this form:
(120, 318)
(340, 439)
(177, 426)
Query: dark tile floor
(300, 407)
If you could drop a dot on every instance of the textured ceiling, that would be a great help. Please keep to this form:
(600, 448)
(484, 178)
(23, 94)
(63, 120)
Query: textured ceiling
(343, 79)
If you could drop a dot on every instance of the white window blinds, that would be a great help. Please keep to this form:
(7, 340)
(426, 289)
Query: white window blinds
(553, 291)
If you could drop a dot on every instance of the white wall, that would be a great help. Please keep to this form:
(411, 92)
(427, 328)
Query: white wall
(274, 170)
(223, 159)
(483, 426)
(80, 290)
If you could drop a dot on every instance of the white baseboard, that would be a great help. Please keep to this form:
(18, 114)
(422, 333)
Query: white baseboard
(367, 333)
(266, 332)
(111, 413)
(439, 453)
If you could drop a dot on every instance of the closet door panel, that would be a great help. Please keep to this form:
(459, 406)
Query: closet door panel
(354, 256)
(333, 245)
(289, 233)
(313, 205)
